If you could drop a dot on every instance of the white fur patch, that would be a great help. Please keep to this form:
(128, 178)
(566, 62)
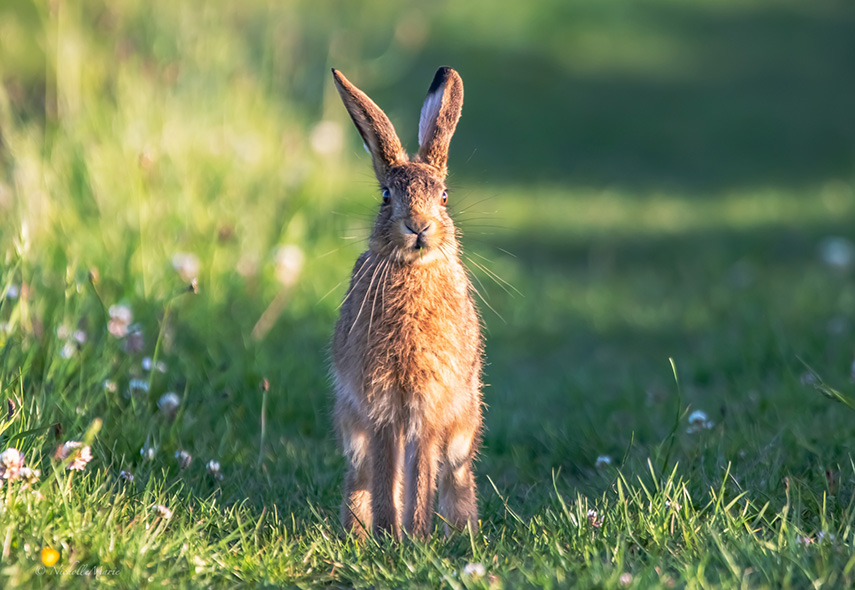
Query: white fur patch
(430, 111)
(356, 448)
(458, 450)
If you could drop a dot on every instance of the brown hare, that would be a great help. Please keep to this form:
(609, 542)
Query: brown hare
(407, 348)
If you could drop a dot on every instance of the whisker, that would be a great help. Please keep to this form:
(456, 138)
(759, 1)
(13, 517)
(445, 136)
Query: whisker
(481, 297)
(328, 293)
(505, 285)
(364, 299)
(357, 278)
(385, 264)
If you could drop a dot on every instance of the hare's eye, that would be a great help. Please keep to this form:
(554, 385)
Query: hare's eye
(444, 197)
(385, 195)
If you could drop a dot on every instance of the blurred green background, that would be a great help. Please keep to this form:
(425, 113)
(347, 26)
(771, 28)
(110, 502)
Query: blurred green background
(655, 179)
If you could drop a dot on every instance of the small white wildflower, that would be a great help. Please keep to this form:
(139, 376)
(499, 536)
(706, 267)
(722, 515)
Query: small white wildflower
(289, 261)
(79, 336)
(160, 367)
(804, 540)
(213, 468)
(698, 421)
(603, 460)
(625, 579)
(137, 385)
(28, 475)
(80, 455)
(120, 318)
(184, 458)
(12, 292)
(110, 386)
(837, 252)
(199, 563)
(11, 462)
(475, 570)
(148, 452)
(146, 363)
(673, 505)
(186, 265)
(162, 511)
(168, 403)
(126, 476)
(822, 536)
(63, 332)
(68, 350)
(594, 518)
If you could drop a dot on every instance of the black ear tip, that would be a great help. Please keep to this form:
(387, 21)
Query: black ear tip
(440, 78)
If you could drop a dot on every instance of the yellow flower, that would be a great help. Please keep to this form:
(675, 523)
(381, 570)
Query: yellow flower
(49, 556)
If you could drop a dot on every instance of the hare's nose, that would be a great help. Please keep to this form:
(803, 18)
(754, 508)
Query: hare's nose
(418, 228)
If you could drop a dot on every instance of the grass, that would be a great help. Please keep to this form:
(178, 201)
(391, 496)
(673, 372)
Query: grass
(655, 180)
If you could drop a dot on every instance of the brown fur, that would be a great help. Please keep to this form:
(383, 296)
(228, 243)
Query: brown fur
(407, 348)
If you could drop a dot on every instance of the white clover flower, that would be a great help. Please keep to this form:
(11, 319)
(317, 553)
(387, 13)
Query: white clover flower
(79, 453)
(168, 403)
(162, 511)
(120, 318)
(474, 570)
(68, 350)
(603, 460)
(11, 463)
(186, 265)
(148, 452)
(184, 459)
(137, 385)
(698, 421)
(199, 563)
(289, 261)
(28, 475)
(213, 469)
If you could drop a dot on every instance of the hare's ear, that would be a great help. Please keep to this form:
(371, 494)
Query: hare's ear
(440, 114)
(373, 125)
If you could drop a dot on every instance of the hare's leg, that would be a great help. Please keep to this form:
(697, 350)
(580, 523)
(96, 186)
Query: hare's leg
(421, 463)
(356, 508)
(457, 501)
(385, 448)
